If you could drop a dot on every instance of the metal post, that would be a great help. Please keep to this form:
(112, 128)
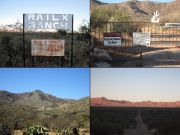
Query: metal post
(33, 60)
(141, 51)
(110, 26)
(140, 60)
(99, 30)
(91, 43)
(62, 61)
(106, 27)
(24, 59)
(72, 41)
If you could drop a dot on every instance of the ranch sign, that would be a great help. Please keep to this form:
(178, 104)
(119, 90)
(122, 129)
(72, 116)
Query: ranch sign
(112, 39)
(51, 47)
(141, 38)
(48, 21)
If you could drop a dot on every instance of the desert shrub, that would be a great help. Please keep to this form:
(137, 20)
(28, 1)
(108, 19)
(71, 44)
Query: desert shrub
(165, 120)
(5, 130)
(36, 130)
(111, 121)
(62, 33)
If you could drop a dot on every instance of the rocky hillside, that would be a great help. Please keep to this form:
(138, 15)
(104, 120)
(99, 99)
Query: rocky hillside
(36, 99)
(97, 2)
(102, 101)
(143, 10)
(22, 110)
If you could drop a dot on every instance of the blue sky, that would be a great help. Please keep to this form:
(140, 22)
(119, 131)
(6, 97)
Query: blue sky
(155, 84)
(11, 10)
(117, 1)
(60, 82)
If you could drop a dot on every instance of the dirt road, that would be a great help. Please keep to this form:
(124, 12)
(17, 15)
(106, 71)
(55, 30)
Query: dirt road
(141, 128)
(158, 58)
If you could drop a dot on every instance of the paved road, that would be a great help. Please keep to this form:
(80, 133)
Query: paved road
(141, 128)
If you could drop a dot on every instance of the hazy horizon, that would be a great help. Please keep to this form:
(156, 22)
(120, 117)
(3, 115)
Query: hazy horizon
(134, 101)
(135, 85)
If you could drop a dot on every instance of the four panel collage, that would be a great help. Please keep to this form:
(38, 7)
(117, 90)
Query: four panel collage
(89, 67)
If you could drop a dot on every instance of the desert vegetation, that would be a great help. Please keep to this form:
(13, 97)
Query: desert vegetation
(134, 120)
(12, 50)
(165, 121)
(66, 119)
(111, 121)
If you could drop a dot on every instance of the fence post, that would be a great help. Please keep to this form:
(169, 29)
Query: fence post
(24, 59)
(72, 41)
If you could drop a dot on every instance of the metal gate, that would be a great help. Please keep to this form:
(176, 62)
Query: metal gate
(162, 35)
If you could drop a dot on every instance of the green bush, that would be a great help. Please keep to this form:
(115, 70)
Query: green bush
(36, 130)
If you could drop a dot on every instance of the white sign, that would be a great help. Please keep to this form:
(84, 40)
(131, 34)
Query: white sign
(155, 18)
(172, 25)
(48, 21)
(112, 39)
(141, 38)
(47, 47)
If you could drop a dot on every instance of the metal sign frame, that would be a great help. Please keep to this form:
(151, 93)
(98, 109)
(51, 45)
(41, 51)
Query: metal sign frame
(62, 58)
(48, 21)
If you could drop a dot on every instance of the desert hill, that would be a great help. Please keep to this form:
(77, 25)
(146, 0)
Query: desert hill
(144, 10)
(35, 98)
(38, 99)
(102, 101)
(38, 108)
(96, 3)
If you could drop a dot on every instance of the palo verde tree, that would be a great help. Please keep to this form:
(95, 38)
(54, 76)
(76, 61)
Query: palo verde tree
(100, 16)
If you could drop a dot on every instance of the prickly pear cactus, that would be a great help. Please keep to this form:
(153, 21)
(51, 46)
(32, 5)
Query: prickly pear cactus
(66, 131)
(36, 130)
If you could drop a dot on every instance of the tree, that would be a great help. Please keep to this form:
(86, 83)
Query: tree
(62, 33)
(84, 29)
(100, 16)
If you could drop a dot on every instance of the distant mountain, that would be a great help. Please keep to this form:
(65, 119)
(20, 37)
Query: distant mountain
(97, 2)
(144, 10)
(79, 105)
(102, 101)
(36, 107)
(36, 99)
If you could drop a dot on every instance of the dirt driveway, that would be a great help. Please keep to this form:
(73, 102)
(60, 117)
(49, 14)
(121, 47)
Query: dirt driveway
(156, 58)
(141, 128)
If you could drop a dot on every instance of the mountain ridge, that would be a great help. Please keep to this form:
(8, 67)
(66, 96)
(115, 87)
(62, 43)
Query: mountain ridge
(97, 2)
(144, 10)
(102, 101)
(36, 98)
